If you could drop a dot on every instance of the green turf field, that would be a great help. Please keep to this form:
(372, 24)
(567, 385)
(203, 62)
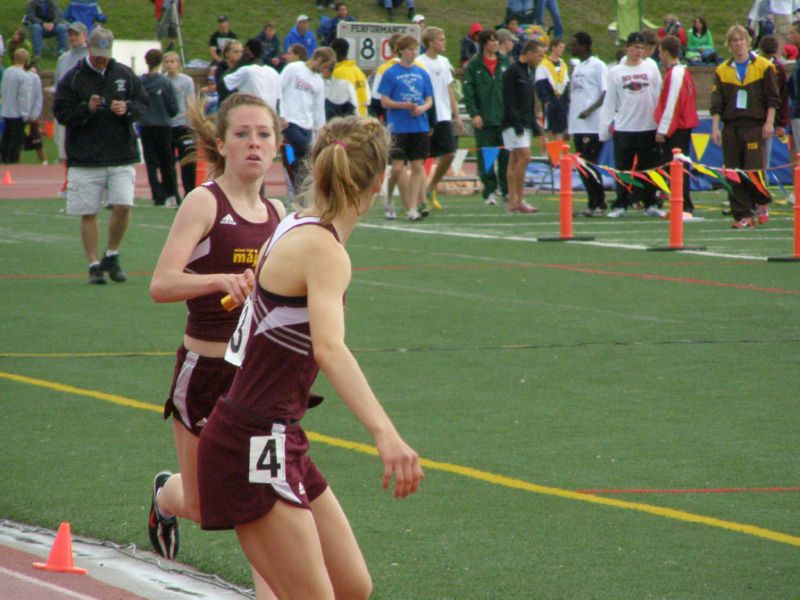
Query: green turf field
(522, 372)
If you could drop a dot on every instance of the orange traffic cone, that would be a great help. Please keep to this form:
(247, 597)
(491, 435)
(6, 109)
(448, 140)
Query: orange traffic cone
(49, 129)
(7, 179)
(60, 559)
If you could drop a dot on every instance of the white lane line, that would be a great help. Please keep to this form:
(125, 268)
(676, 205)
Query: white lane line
(49, 586)
(511, 238)
(493, 298)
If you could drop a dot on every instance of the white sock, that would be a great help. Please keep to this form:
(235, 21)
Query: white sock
(165, 514)
(112, 252)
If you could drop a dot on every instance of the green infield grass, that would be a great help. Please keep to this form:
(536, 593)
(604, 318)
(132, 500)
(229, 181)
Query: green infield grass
(595, 420)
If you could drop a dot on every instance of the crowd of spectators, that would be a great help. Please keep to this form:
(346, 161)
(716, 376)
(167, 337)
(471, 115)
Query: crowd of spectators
(485, 55)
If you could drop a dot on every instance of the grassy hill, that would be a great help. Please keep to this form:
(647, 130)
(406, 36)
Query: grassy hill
(134, 19)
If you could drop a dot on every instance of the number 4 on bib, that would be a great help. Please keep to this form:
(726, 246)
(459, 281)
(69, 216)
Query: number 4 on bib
(267, 459)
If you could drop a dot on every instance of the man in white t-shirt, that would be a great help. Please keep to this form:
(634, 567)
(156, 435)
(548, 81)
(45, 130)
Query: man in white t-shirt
(303, 109)
(443, 134)
(627, 114)
(256, 79)
(587, 90)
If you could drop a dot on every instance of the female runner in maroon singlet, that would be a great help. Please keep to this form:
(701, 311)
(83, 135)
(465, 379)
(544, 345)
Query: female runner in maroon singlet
(211, 251)
(254, 473)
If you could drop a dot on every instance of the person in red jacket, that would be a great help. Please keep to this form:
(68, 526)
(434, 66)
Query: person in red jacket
(672, 26)
(676, 111)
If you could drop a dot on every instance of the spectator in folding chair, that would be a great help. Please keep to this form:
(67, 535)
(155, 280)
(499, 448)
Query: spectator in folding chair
(390, 5)
(19, 39)
(45, 19)
(89, 13)
(270, 46)
(218, 41)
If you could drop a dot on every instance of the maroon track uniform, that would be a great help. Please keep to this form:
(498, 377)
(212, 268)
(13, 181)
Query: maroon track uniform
(252, 451)
(231, 246)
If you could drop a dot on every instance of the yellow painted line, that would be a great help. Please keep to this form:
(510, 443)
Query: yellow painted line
(488, 477)
(68, 389)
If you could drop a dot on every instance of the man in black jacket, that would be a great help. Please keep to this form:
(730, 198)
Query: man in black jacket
(519, 122)
(98, 101)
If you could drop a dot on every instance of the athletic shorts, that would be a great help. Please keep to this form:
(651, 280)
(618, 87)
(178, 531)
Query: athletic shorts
(246, 463)
(555, 117)
(197, 383)
(443, 140)
(512, 141)
(409, 146)
(88, 187)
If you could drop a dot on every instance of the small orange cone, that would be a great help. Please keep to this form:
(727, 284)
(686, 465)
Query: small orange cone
(60, 559)
(7, 179)
(49, 129)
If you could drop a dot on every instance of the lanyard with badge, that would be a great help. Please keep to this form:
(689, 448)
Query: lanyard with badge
(741, 95)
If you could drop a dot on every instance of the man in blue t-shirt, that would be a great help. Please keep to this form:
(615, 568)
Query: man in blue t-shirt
(407, 95)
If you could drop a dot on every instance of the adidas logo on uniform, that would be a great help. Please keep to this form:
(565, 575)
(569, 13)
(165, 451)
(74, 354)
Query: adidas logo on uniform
(227, 220)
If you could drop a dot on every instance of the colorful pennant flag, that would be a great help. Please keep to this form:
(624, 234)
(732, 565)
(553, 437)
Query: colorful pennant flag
(489, 156)
(659, 181)
(554, 151)
(288, 151)
(700, 143)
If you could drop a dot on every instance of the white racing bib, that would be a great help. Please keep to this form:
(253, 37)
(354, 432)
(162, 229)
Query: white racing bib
(234, 354)
(267, 459)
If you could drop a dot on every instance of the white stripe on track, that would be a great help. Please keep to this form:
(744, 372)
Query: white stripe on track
(512, 238)
(49, 586)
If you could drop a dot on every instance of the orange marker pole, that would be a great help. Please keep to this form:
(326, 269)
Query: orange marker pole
(565, 174)
(565, 201)
(202, 168)
(676, 200)
(796, 256)
(676, 206)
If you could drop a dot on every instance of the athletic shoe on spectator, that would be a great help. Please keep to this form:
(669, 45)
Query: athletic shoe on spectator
(110, 264)
(746, 223)
(653, 211)
(616, 213)
(96, 274)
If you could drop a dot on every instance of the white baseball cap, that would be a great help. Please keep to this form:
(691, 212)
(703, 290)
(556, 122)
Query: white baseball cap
(418, 18)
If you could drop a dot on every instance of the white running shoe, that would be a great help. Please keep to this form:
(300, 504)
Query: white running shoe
(413, 215)
(653, 211)
(616, 213)
(388, 211)
(491, 200)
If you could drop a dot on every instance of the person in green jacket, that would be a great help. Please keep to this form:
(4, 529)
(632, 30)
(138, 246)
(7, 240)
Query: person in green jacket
(700, 43)
(483, 96)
